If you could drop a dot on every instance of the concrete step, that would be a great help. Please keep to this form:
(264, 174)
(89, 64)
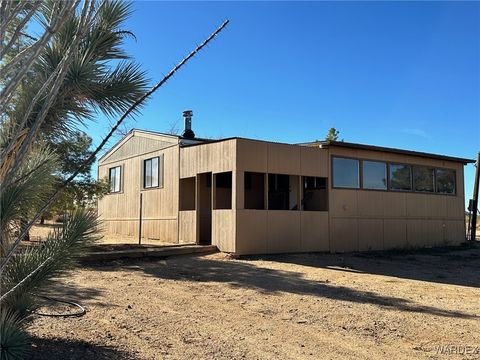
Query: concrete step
(160, 251)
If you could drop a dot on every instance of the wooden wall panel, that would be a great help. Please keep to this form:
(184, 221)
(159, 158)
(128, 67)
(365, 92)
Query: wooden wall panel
(314, 162)
(252, 155)
(409, 219)
(283, 231)
(187, 227)
(251, 232)
(211, 157)
(343, 203)
(370, 234)
(283, 159)
(454, 232)
(394, 234)
(394, 204)
(314, 229)
(160, 205)
(223, 230)
(370, 203)
(343, 235)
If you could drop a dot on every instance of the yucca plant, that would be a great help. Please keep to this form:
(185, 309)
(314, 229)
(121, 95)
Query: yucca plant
(48, 86)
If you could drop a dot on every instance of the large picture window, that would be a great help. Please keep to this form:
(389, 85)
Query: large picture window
(374, 175)
(445, 181)
(346, 173)
(400, 177)
(423, 179)
(151, 173)
(115, 179)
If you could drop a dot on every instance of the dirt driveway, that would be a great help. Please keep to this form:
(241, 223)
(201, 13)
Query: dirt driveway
(389, 306)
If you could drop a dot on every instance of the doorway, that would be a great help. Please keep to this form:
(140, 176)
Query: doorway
(204, 208)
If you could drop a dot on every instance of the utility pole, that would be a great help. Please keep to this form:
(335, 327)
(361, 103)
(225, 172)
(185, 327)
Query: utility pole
(473, 226)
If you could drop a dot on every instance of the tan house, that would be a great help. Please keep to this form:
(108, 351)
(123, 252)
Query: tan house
(255, 197)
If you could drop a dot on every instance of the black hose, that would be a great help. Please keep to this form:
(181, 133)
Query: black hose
(76, 314)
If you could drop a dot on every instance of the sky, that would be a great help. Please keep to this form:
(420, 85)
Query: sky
(394, 74)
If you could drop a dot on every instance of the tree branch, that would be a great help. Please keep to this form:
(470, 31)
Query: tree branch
(104, 141)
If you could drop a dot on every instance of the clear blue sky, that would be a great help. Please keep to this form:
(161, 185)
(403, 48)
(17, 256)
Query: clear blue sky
(403, 75)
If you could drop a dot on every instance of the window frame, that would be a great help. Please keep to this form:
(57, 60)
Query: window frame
(388, 164)
(387, 171)
(159, 173)
(120, 179)
(454, 185)
(359, 173)
(389, 187)
(433, 169)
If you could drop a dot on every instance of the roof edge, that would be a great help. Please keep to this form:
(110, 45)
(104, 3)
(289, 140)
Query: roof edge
(327, 143)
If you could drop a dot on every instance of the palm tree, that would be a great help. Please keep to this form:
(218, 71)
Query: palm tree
(48, 86)
(87, 70)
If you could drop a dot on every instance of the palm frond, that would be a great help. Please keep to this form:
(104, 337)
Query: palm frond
(59, 252)
(14, 342)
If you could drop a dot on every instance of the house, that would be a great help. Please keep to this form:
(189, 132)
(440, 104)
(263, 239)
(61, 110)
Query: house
(253, 197)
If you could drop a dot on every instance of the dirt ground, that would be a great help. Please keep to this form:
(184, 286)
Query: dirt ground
(357, 306)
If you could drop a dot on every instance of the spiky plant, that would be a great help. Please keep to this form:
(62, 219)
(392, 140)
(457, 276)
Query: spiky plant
(49, 85)
(66, 81)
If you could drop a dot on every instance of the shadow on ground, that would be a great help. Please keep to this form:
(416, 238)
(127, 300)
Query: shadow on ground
(247, 274)
(63, 349)
(453, 266)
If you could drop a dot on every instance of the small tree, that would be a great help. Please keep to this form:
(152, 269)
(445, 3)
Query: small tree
(332, 134)
(83, 191)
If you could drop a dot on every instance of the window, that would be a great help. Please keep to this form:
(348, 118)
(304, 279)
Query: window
(374, 175)
(400, 177)
(115, 179)
(423, 178)
(187, 194)
(223, 190)
(345, 173)
(314, 195)
(254, 190)
(151, 173)
(445, 181)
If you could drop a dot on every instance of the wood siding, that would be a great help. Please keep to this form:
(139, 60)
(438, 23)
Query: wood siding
(120, 211)
(376, 220)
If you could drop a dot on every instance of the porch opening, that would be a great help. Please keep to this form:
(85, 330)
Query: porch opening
(204, 211)
(223, 190)
(187, 194)
(254, 190)
(314, 193)
(283, 192)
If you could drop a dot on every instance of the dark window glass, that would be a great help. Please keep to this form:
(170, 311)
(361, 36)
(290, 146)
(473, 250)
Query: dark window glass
(114, 178)
(400, 177)
(345, 173)
(151, 173)
(374, 175)
(423, 178)
(445, 180)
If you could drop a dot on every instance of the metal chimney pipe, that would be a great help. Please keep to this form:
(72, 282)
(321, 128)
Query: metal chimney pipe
(187, 119)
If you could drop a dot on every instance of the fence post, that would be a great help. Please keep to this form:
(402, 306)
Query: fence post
(140, 221)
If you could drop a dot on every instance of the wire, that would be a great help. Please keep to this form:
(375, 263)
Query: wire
(76, 314)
